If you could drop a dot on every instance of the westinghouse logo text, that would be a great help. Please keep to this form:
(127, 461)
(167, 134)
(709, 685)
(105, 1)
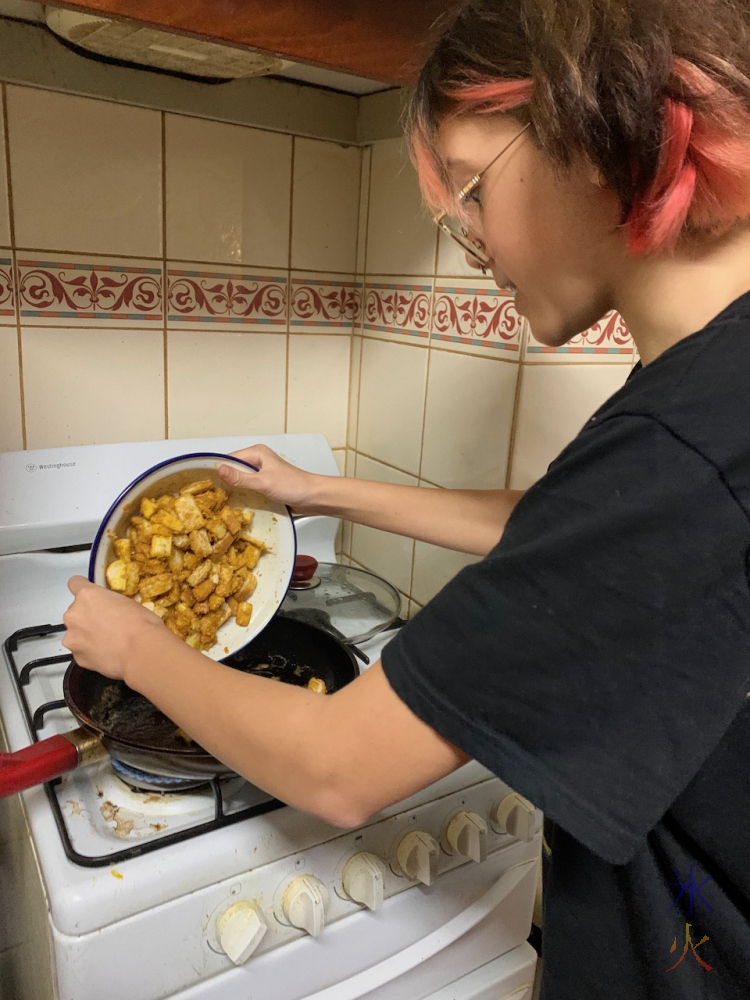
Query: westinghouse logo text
(56, 465)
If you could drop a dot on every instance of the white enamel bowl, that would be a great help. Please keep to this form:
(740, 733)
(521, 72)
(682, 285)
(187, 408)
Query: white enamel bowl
(272, 525)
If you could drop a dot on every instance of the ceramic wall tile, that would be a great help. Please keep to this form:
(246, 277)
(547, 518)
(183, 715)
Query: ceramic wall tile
(71, 290)
(434, 567)
(226, 383)
(324, 206)
(401, 237)
(228, 192)
(388, 555)
(555, 402)
(468, 421)
(364, 201)
(318, 386)
(7, 289)
(354, 374)
(397, 309)
(351, 461)
(319, 302)
(4, 207)
(11, 437)
(607, 340)
(228, 298)
(85, 174)
(391, 403)
(474, 317)
(92, 386)
(340, 455)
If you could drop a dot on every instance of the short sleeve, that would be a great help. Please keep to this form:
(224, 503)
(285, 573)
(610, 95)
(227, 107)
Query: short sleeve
(595, 658)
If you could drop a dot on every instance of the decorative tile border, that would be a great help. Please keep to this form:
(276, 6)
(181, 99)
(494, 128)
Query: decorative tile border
(227, 297)
(607, 340)
(476, 317)
(319, 301)
(88, 291)
(7, 290)
(399, 309)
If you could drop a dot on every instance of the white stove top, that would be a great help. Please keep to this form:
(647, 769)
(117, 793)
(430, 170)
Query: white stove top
(173, 894)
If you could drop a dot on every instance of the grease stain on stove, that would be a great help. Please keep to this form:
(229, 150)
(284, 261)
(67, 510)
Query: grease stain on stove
(116, 874)
(75, 809)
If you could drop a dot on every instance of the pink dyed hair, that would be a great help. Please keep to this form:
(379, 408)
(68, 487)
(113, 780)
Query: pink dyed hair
(702, 178)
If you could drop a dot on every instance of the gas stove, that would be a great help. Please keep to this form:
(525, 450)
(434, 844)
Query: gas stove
(126, 888)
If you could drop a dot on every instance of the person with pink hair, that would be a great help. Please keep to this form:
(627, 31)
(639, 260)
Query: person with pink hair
(593, 155)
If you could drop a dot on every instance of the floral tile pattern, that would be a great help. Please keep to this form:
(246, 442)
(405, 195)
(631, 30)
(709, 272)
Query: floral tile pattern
(607, 340)
(85, 291)
(477, 316)
(7, 291)
(323, 302)
(227, 297)
(397, 308)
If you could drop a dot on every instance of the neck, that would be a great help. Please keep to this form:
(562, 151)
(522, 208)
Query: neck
(664, 300)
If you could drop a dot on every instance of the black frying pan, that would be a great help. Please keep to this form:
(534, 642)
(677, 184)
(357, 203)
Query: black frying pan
(119, 721)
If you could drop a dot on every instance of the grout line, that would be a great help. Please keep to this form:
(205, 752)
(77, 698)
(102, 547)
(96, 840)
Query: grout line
(14, 268)
(289, 284)
(396, 468)
(426, 389)
(364, 280)
(516, 403)
(165, 290)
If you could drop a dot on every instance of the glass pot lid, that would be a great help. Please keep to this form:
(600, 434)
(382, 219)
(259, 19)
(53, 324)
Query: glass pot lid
(350, 603)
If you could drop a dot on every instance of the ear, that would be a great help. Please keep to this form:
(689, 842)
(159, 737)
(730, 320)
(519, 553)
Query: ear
(595, 176)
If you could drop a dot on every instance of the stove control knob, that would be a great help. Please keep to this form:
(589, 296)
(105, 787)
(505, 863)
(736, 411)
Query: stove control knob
(417, 856)
(467, 835)
(515, 815)
(362, 879)
(239, 931)
(304, 904)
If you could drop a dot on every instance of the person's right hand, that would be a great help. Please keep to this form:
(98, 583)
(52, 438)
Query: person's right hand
(275, 479)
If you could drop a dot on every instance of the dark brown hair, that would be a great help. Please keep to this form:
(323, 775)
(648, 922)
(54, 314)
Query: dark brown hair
(656, 93)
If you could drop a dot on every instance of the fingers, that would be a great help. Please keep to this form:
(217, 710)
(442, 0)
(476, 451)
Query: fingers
(77, 583)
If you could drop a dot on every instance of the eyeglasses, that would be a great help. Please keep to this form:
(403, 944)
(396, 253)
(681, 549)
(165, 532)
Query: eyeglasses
(454, 229)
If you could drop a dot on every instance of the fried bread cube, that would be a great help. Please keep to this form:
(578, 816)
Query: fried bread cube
(200, 543)
(132, 579)
(216, 528)
(123, 548)
(252, 555)
(168, 519)
(244, 613)
(221, 547)
(214, 602)
(148, 507)
(229, 517)
(200, 573)
(188, 512)
(201, 592)
(317, 685)
(161, 547)
(154, 586)
(224, 586)
(117, 575)
(247, 588)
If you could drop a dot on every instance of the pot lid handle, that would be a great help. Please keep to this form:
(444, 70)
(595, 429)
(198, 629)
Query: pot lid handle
(304, 569)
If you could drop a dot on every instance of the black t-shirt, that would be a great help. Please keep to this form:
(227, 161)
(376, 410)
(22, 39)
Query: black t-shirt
(598, 661)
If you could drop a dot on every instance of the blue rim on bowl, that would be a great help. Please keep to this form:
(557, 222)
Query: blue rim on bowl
(274, 572)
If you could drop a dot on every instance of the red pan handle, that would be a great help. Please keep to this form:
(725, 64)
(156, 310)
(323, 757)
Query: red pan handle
(40, 762)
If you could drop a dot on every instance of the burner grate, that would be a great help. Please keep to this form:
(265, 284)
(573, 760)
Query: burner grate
(35, 722)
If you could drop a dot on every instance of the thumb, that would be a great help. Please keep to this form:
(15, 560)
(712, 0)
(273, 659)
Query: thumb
(232, 475)
(77, 584)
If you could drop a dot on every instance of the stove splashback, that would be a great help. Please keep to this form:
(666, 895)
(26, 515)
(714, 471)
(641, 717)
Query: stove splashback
(58, 496)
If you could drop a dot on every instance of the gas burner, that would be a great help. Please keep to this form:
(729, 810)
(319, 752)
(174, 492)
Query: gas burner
(143, 781)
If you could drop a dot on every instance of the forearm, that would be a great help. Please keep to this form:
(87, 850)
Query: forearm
(466, 520)
(341, 757)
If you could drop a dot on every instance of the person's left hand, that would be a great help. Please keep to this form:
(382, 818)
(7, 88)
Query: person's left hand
(102, 627)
